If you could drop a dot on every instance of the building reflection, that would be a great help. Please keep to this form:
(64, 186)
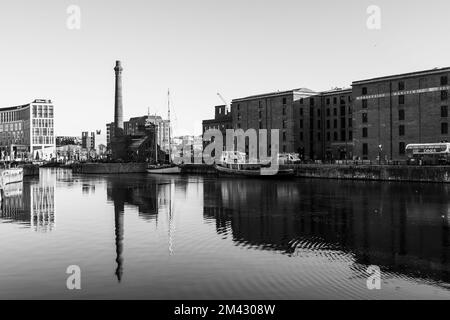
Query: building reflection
(403, 228)
(30, 203)
(151, 198)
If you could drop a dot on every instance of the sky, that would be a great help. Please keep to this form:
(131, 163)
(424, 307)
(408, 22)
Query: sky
(198, 48)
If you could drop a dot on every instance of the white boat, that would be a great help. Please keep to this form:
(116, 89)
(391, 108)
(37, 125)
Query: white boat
(234, 163)
(164, 169)
(11, 175)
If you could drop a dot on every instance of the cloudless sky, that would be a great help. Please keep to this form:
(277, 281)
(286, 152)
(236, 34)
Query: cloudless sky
(198, 48)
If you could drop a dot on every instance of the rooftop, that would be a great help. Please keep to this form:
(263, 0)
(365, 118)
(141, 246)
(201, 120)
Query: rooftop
(275, 94)
(403, 75)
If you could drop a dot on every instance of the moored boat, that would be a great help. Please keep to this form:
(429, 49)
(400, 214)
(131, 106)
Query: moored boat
(11, 175)
(233, 163)
(164, 169)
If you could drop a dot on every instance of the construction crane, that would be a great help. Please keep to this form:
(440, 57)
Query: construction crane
(224, 101)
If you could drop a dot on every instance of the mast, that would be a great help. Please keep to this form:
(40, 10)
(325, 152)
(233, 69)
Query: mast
(156, 140)
(168, 117)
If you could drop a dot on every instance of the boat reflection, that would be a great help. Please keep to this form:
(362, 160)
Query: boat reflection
(403, 228)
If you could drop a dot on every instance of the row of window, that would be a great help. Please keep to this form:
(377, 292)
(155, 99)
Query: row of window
(43, 123)
(343, 137)
(42, 111)
(17, 126)
(43, 140)
(401, 130)
(43, 131)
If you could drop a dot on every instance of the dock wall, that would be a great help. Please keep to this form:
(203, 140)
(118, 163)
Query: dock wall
(439, 174)
(109, 168)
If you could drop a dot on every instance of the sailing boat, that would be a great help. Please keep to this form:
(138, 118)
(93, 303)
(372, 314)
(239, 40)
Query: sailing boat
(170, 168)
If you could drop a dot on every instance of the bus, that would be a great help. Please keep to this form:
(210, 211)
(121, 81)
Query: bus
(428, 153)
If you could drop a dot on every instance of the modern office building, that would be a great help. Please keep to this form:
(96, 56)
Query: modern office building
(88, 140)
(27, 131)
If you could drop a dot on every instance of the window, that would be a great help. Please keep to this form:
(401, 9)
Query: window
(444, 80)
(319, 136)
(342, 110)
(335, 136)
(328, 136)
(328, 124)
(401, 86)
(301, 101)
(343, 135)
(401, 99)
(301, 111)
(444, 128)
(318, 124)
(364, 91)
(401, 114)
(318, 112)
(260, 125)
(350, 135)
(444, 95)
(364, 118)
(284, 101)
(335, 111)
(444, 111)
(364, 133)
(335, 123)
(328, 101)
(284, 124)
(311, 101)
(350, 122)
(401, 148)
(401, 130)
(364, 104)
(365, 148)
(342, 123)
(260, 114)
(284, 110)
(301, 123)
(334, 100)
(328, 112)
(301, 136)
(284, 136)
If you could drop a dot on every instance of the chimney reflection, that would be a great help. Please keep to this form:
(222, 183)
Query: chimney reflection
(149, 197)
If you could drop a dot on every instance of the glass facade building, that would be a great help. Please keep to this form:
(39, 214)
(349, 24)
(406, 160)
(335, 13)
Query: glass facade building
(27, 131)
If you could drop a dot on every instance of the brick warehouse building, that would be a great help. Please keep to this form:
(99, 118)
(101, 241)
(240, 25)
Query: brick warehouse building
(375, 118)
(393, 111)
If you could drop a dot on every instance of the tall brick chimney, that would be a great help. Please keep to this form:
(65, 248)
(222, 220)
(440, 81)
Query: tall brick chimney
(118, 107)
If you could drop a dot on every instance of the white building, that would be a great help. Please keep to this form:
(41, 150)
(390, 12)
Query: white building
(27, 131)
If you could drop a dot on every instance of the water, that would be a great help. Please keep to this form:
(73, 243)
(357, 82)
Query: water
(192, 237)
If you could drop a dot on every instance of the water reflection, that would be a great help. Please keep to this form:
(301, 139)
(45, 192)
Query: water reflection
(150, 198)
(403, 228)
(30, 203)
